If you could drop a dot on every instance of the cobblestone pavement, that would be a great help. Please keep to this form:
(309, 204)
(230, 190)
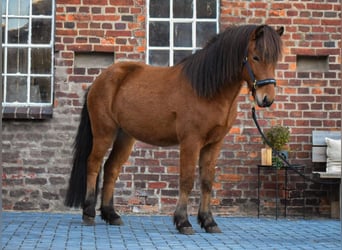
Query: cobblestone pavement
(65, 231)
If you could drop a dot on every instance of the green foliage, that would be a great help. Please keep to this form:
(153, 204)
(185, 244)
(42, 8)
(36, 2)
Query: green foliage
(277, 162)
(278, 136)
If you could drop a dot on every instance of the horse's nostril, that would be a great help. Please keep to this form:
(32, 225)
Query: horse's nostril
(266, 102)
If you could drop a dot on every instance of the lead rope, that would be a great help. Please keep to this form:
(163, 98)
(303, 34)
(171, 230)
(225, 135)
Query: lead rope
(280, 155)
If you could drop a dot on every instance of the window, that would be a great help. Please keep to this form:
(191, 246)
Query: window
(27, 50)
(177, 28)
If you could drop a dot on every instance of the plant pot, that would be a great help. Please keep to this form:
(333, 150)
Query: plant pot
(285, 154)
(276, 160)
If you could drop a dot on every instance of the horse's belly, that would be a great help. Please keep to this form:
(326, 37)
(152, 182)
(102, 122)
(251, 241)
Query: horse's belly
(153, 136)
(159, 131)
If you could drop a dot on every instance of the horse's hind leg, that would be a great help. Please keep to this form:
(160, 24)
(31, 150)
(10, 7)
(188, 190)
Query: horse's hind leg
(102, 140)
(120, 152)
(207, 164)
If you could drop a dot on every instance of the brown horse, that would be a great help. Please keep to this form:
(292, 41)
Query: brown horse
(193, 104)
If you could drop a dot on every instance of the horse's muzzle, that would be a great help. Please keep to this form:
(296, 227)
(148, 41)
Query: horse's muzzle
(265, 102)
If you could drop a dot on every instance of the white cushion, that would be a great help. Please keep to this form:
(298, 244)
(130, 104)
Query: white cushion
(333, 155)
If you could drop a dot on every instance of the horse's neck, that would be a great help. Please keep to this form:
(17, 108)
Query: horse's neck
(230, 93)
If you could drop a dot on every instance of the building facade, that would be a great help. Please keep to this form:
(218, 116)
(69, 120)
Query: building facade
(85, 36)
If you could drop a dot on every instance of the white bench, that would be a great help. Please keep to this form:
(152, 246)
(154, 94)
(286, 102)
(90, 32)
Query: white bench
(319, 155)
(319, 151)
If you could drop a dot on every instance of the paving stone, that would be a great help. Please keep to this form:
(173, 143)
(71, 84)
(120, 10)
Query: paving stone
(25, 231)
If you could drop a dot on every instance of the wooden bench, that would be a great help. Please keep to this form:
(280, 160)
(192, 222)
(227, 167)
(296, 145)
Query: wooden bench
(319, 155)
(319, 151)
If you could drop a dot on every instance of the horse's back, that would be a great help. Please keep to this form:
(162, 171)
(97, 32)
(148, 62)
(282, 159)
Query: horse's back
(134, 74)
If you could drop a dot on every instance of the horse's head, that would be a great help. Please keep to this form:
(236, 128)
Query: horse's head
(262, 54)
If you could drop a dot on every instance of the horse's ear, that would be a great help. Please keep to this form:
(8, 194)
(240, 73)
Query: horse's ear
(280, 31)
(259, 31)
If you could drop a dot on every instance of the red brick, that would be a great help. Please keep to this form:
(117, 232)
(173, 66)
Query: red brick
(229, 177)
(169, 201)
(112, 18)
(256, 5)
(305, 21)
(64, 32)
(121, 33)
(110, 10)
(95, 2)
(79, 47)
(157, 185)
(90, 32)
(121, 2)
(81, 79)
(72, 2)
(316, 6)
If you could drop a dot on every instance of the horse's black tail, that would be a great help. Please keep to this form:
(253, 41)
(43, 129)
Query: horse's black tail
(82, 147)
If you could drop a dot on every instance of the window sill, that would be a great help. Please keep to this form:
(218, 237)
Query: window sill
(27, 113)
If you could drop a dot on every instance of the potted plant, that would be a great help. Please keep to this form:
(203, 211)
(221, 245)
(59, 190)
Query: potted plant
(278, 136)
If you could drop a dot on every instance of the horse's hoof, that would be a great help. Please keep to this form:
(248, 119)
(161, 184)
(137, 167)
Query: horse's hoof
(116, 222)
(110, 216)
(186, 230)
(88, 220)
(213, 230)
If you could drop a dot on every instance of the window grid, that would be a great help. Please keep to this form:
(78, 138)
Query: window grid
(171, 48)
(6, 45)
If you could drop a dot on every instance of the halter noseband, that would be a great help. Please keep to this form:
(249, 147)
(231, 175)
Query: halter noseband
(257, 83)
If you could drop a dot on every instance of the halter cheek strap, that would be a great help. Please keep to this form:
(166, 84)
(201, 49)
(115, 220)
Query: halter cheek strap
(257, 83)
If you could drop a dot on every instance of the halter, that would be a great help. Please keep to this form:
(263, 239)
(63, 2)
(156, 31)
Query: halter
(257, 83)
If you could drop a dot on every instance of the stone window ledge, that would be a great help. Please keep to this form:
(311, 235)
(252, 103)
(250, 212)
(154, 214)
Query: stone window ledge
(27, 113)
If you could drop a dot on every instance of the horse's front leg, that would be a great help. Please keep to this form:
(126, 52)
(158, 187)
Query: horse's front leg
(207, 163)
(189, 153)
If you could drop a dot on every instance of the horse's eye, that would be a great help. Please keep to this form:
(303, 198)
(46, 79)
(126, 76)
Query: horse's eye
(255, 58)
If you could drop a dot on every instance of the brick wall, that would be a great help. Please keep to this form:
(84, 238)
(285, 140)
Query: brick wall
(37, 154)
(306, 101)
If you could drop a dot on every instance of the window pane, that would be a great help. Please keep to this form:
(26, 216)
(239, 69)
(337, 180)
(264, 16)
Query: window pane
(3, 89)
(181, 54)
(160, 8)
(183, 34)
(16, 89)
(3, 59)
(3, 29)
(182, 8)
(40, 89)
(42, 7)
(159, 34)
(3, 8)
(17, 60)
(41, 31)
(206, 8)
(18, 7)
(41, 60)
(159, 57)
(17, 30)
(204, 31)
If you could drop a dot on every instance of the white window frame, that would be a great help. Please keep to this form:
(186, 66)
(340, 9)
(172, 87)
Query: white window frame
(29, 46)
(171, 48)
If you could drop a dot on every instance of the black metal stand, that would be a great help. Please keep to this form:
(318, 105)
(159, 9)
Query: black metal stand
(298, 167)
(302, 169)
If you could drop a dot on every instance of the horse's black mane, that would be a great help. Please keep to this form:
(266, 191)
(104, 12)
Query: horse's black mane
(220, 62)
